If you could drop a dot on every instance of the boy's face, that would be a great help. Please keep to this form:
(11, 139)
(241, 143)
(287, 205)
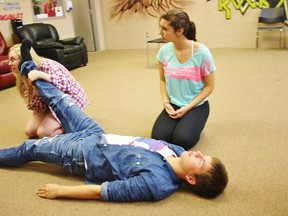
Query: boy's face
(195, 162)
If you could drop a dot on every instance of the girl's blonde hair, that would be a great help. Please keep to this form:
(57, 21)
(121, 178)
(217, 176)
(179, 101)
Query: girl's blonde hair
(22, 81)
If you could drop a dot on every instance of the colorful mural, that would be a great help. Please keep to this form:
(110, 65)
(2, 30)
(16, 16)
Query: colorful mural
(156, 7)
(146, 7)
(243, 5)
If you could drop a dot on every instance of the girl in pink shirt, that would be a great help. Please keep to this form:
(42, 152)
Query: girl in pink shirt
(43, 121)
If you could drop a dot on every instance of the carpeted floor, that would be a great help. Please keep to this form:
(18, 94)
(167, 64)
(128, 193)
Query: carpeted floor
(247, 129)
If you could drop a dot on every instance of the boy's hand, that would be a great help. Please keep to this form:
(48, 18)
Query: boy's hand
(52, 191)
(49, 191)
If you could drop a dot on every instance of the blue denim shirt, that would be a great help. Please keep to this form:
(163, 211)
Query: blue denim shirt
(127, 173)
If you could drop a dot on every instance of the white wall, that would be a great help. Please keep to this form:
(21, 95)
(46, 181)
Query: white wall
(213, 28)
(129, 32)
(64, 26)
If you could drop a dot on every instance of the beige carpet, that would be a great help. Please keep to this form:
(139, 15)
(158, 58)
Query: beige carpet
(247, 129)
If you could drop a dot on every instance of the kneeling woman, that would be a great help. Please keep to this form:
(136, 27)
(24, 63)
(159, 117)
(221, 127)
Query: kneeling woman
(186, 80)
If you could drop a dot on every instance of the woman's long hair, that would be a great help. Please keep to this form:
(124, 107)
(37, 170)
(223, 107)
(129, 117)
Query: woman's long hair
(22, 82)
(179, 19)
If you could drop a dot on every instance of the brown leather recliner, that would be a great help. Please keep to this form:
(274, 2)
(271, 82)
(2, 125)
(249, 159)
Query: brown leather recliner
(70, 52)
(7, 79)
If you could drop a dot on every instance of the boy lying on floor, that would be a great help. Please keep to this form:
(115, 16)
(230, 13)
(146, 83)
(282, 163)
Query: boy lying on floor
(116, 168)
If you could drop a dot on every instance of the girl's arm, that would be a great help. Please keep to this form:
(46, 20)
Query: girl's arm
(165, 97)
(52, 191)
(36, 75)
(163, 90)
(206, 91)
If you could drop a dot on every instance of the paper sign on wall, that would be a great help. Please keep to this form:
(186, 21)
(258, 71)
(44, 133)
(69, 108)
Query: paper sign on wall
(59, 11)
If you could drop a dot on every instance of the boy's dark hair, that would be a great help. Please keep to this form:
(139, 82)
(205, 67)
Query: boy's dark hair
(212, 183)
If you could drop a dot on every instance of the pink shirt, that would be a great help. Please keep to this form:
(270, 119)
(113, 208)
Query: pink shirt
(63, 80)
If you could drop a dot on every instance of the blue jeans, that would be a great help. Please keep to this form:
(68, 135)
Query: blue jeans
(64, 150)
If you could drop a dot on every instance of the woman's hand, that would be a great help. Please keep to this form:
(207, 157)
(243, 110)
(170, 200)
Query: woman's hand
(175, 113)
(179, 113)
(169, 108)
(34, 75)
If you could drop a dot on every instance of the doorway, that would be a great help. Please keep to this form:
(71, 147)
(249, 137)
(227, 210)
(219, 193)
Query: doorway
(84, 21)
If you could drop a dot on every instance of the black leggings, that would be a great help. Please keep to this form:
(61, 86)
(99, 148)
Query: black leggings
(184, 131)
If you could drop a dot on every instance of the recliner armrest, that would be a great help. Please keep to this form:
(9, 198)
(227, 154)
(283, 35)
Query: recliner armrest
(72, 41)
(49, 45)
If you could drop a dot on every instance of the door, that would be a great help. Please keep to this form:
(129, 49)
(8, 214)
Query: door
(84, 25)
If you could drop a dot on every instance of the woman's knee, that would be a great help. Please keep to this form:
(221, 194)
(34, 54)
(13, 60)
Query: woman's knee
(160, 135)
(160, 132)
(49, 132)
(187, 142)
(30, 132)
(33, 123)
